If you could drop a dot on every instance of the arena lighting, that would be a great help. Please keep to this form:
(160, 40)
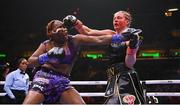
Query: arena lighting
(94, 56)
(152, 54)
(168, 13)
(2, 55)
(173, 9)
(177, 53)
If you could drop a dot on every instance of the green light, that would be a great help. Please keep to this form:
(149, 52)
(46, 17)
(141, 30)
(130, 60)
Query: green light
(94, 56)
(155, 55)
(2, 55)
(177, 53)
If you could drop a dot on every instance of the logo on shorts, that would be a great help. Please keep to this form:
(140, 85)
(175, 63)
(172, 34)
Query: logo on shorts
(46, 81)
(37, 86)
(129, 99)
(116, 45)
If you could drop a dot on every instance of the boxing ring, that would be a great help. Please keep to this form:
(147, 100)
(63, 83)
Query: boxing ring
(102, 94)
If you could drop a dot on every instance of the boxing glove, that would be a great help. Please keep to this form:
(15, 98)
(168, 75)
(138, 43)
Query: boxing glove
(131, 33)
(69, 21)
(134, 31)
(119, 38)
(135, 41)
(53, 55)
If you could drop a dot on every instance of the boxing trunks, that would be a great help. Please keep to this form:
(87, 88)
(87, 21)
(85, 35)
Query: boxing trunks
(51, 84)
(123, 86)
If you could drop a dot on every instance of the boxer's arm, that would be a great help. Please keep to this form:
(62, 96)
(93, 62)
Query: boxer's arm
(99, 40)
(71, 21)
(133, 46)
(130, 58)
(83, 29)
(33, 60)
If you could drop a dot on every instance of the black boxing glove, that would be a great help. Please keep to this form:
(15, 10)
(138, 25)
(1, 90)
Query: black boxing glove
(135, 41)
(69, 21)
(131, 33)
(52, 55)
(134, 31)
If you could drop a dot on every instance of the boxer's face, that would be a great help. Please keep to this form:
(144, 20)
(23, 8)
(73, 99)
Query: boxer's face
(119, 21)
(59, 32)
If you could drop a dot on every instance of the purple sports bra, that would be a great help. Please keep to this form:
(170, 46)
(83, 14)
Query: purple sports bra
(68, 57)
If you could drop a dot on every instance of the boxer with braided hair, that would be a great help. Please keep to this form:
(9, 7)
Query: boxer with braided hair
(123, 82)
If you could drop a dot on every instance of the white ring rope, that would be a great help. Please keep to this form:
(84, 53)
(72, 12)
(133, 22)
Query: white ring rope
(148, 94)
(92, 94)
(103, 94)
(88, 82)
(162, 81)
(105, 83)
(163, 94)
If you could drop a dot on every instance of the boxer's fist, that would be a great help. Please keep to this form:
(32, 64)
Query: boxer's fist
(131, 33)
(69, 21)
(134, 31)
(135, 42)
(52, 56)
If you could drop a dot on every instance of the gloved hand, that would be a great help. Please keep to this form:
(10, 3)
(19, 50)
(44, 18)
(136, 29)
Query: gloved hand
(52, 55)
(134, 31)
(69, 21)
(135, 41)
(133, 36)
(131, 33)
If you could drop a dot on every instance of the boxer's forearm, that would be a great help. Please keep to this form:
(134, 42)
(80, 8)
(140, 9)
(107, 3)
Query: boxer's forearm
(130, 58)
(83, 29)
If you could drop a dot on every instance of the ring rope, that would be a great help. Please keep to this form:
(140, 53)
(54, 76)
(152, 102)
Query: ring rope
(97, 94)
(103, 94)
(105, 82)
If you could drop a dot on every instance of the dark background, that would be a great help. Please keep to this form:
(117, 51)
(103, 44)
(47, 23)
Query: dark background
(23, 22)
(22, 26)
(22, 29)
